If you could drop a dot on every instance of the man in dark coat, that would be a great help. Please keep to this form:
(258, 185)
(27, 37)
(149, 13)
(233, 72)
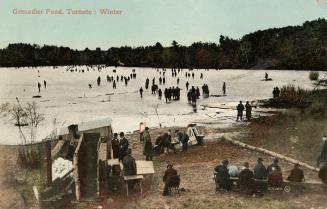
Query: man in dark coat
(260, 171)
(115, 146)
(147, 145)
(129, 167)
(159, 148)
(322, 174)
(296, 175)
(275, 165)
(222, 176)
(183, 138)
(246, 181)
(167, 142)
(123, 146)
(240, 108)
(323, 154)
(167, 177)
(141, 92)
(248, 110)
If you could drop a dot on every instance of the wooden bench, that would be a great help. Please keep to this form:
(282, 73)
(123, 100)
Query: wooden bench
(134, 177)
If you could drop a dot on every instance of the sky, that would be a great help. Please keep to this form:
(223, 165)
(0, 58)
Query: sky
(145, 22)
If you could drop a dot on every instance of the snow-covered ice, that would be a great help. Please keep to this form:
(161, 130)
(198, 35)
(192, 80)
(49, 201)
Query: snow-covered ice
(68, 98)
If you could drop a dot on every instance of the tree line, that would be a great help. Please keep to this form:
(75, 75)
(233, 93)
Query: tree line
(294, 47)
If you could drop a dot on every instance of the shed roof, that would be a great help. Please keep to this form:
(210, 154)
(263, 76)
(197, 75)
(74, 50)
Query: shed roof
(88, 125)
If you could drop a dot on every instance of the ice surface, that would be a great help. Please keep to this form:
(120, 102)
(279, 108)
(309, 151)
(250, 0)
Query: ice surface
(68, 98)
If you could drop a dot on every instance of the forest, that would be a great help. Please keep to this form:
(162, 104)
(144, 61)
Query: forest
(301, 47)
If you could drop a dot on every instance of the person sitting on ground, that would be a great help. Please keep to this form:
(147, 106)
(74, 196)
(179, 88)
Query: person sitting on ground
(167, 178)
(222, 176)
(260, 171)
(275, 178)
(322, 174)
(274, 164)
(129, 167)
(246, 181)
(233, 171)
(296, 175)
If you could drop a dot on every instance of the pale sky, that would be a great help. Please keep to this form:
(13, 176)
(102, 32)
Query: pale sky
(145, 22)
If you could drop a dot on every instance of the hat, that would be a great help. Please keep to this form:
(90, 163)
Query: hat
(246, 164)
(260, 159)
(225, 162)
(276, 160)
(121, 134)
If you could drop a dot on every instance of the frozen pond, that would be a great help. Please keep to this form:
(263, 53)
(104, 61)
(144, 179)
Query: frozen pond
(68, 99)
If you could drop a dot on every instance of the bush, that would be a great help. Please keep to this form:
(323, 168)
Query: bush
(291, 95)
(314, 75)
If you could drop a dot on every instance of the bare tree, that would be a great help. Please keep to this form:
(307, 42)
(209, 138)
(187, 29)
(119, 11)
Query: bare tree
(33, 118)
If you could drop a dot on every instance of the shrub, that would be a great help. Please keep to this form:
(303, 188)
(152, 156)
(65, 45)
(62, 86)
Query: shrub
(291, 95)
(314, 75)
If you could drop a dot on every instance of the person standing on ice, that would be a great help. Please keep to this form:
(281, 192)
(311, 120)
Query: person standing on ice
(99, 81)
(45, 84)
(39, 86)
(187, 84)
(141, 92)
(224, 88)
(240, 108)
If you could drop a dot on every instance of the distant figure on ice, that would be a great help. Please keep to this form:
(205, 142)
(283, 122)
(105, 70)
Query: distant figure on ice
(147, 83)
(266, 76)
(224, 88)
(45, 84)
(240, 108)
(114, 84)
(276, 92)
(159, 94)
(99, 81)
(187, 84)
(141, 92)
(39, 86)
(248, 110)
(323, 154)
(90, 86)
(201, 76)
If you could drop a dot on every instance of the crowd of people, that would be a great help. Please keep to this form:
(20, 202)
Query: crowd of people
(254, 181)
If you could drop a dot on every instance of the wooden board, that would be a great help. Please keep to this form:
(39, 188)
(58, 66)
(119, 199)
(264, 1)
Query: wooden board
(144, 167)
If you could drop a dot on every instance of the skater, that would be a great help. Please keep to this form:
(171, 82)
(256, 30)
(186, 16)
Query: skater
(114, 84)
(187, 84)
(224, 88)
(39, 86)
(99, 81)
(45, 84)
(141, 92)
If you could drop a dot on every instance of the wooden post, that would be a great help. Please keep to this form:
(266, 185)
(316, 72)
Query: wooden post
(49, 162)
(271, 153)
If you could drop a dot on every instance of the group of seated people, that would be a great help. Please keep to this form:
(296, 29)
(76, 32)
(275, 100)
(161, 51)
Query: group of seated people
(254, 181)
